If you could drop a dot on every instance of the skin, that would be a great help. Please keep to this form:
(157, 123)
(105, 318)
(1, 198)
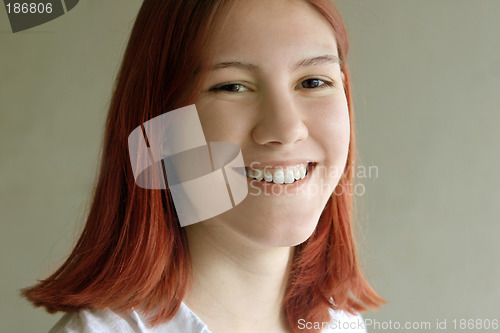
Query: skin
(242, 258)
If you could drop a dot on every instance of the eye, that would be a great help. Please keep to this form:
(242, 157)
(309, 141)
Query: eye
(230, 87)
(315, 83)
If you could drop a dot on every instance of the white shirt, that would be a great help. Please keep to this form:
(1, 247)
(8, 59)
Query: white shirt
(184, 321)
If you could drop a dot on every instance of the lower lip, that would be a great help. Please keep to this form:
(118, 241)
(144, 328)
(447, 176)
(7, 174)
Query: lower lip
(271, 188)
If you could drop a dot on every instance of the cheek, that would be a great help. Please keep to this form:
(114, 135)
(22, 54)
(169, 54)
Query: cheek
(330, 125)
(222, 124)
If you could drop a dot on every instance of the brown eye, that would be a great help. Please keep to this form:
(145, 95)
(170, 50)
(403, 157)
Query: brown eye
(232, 87)
(315, 83)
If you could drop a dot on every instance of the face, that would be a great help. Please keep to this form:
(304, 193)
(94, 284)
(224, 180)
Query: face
(275, 89)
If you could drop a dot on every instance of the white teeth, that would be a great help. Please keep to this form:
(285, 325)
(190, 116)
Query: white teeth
(296, 173)
(258, 174)
(268, 176)
(279, 175)
(302, 173)
(289, 176)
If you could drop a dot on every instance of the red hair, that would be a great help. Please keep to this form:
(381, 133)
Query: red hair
(132, 251)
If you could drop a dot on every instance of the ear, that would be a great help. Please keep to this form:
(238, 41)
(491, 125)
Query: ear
(343, 76)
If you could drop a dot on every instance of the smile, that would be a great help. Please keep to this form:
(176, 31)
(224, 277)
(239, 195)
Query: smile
(280, 175)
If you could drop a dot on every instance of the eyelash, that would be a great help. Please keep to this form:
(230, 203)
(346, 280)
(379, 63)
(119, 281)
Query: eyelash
(220, 88)
(324, 84)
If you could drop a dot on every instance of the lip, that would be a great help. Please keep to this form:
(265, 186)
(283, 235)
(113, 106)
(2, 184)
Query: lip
(277, 164)
(270, 188)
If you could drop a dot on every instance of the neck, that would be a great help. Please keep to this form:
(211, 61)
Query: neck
(236, 283)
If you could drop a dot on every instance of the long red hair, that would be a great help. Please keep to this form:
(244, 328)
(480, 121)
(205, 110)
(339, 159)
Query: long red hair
(132, 251)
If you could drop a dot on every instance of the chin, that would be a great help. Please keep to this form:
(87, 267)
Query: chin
(277, 224)
(279, 232)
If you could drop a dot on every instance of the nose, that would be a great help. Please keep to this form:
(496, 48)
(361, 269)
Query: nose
(280, 122)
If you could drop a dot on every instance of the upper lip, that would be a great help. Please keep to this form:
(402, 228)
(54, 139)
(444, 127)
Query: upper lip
(278, 163)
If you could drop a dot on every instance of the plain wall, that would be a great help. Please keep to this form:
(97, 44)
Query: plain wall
(426, 80)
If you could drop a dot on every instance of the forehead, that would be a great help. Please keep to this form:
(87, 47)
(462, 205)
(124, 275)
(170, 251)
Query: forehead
(271, 31)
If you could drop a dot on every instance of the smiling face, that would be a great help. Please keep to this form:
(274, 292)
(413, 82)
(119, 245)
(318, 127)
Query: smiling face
(275, 89)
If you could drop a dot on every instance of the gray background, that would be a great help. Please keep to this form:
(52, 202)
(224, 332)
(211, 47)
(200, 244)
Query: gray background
(426, 79)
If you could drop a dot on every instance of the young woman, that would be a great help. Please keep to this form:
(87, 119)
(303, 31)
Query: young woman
(271, 77)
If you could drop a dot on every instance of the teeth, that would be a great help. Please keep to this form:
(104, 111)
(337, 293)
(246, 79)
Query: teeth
(268, 176)
(289, 176)
(279, 175)
(302, 172)
(259, 174)
(296, 173)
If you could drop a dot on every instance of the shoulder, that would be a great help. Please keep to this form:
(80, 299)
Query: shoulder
(92, 320)
(342, 321)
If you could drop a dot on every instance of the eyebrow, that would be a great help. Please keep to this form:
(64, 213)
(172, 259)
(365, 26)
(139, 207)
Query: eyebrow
(320, 60)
